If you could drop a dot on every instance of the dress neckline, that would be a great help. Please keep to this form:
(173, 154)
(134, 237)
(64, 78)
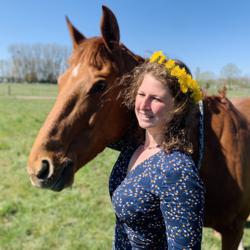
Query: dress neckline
(141, 163)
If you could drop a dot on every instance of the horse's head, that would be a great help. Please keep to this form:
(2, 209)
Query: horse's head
(87, 115)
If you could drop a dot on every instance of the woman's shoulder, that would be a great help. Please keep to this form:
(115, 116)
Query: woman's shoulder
(175, 161)
(176, 168)
(176, 158)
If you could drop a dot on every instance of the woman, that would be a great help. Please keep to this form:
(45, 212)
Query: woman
(156, 190)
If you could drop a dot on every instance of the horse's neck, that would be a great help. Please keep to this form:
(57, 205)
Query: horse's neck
(223, 126)
(243, 105)
(215, 118)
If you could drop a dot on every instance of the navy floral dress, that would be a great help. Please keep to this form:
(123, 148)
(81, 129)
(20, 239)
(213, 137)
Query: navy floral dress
(159, 204)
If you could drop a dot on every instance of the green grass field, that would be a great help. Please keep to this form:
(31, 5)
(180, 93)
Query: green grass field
(77, 218)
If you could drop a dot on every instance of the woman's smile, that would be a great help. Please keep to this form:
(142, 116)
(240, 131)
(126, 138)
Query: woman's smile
(145, 115)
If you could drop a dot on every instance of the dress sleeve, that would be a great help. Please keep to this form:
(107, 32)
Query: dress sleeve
(127, 141)
(181, 195)
(120, 144)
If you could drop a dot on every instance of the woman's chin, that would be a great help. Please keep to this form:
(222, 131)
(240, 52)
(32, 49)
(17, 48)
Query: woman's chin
(145, 125)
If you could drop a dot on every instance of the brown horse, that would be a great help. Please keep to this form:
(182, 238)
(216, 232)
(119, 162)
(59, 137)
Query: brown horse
(88, 116)
(243, 105)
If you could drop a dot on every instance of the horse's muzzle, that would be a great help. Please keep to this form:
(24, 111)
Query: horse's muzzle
(54, 180)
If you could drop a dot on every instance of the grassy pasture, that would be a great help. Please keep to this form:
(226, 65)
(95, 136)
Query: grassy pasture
(77, 218)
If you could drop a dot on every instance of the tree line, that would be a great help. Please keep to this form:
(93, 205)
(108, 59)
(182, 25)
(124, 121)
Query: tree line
(230, 77)
(41, 63)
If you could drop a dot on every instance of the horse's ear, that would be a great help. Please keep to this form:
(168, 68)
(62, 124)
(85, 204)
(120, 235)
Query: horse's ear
(109, 28)
(76, 36)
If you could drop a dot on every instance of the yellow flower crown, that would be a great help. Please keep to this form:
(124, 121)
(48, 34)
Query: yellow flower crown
(187, 83)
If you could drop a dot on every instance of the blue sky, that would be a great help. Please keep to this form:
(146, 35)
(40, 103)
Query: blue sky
(206, 34)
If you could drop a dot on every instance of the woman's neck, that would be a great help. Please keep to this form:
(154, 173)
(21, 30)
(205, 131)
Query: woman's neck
(152, 139)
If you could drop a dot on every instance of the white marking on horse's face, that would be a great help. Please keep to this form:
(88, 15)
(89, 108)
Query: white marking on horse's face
(75, 71)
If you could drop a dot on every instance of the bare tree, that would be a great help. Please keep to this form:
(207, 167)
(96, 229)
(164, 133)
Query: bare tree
(206, 79)
(38, 62)
(230, 73)
(4, 70)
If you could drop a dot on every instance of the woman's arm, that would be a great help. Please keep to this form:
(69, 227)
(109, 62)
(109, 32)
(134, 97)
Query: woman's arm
(120, 144)
(131, 138)
(182, 202)
(120, 237)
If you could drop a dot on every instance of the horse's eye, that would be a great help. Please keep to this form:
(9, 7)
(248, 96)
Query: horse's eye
(98, 87)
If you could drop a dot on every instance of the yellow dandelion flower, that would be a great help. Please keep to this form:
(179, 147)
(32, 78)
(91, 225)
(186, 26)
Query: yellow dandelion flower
(162, 59)
(182, 74)
(190, 82)
(183, 88)
(155, 56)
(185, 80)
(197, 95)
(175, 71)
(169, 64)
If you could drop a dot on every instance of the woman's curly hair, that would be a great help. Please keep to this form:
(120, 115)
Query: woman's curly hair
(177, 132)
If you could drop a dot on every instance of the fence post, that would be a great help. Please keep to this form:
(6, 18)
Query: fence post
(9, 90)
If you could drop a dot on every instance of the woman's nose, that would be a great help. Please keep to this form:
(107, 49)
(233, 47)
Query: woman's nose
(145, 104)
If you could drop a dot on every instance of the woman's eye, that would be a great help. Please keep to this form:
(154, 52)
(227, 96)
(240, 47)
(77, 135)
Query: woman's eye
(157, 99)
(140, 94)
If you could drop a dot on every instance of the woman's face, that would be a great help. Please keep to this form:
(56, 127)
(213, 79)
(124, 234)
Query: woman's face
(153, 104)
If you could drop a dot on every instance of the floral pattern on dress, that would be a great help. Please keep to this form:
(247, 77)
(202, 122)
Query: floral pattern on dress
(159, 204)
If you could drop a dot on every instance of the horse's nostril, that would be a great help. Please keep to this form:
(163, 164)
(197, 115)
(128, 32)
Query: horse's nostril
(44, 171)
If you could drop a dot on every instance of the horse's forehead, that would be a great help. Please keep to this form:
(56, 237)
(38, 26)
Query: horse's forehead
(85, 68)
(76, 69)
(95, 62)
(84, 74)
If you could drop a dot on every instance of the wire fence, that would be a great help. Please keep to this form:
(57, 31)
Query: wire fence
(38, 90)
(28, 90)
